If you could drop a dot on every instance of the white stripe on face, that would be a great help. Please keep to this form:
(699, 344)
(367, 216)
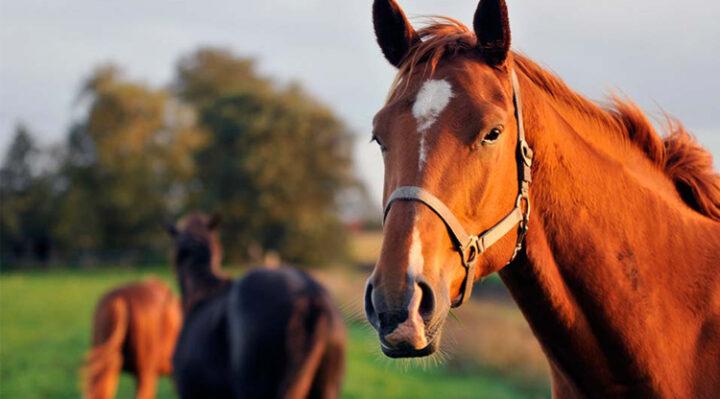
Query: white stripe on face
(433, 97)
(415, 256)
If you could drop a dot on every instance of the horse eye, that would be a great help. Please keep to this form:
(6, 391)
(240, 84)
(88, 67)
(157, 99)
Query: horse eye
(377, 140)
(492, 136)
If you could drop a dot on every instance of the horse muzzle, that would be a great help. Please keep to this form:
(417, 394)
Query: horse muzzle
(403, 330)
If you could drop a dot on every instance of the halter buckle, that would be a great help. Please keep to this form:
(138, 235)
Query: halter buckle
(470, 251)
(523, 197)
(523, 225)
(526, 152)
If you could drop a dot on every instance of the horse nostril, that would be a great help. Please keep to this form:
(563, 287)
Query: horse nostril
(369, 307)
(427, 301)
(390, 320)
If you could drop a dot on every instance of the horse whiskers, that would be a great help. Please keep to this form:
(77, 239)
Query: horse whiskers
(354, 309)
(365, 326)
(449, 345)
(431, 330)
(437, 359)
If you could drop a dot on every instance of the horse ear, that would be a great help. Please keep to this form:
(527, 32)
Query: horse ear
(492, 28)
(393, 31)
(214, 221)
(171, 230)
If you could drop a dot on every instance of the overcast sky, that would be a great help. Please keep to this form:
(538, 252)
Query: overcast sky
(664, 54)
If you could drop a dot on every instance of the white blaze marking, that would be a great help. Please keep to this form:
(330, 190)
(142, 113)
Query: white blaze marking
(412, 330)
(433, 97)
(415, 256)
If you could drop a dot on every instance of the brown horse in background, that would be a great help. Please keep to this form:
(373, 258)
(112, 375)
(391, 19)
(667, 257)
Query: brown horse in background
(617, 267)
(135, 328)
(270, 334)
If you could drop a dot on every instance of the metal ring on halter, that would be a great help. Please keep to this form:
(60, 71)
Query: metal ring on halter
(526, 152)
(518, 201)
(471, 250)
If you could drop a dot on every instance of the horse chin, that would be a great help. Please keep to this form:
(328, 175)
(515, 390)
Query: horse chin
(407, 351)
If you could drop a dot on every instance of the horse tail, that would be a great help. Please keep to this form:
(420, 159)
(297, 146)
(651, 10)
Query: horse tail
(690, 166)
(309, 359)
(329, 376)
(104, 361)
(319, 372)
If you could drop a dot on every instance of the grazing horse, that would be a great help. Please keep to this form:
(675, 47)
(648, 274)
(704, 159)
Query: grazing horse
(606, 234)
(271, 334)
(134, 329)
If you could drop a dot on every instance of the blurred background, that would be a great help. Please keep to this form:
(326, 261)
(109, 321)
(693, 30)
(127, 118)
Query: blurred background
(117, 118)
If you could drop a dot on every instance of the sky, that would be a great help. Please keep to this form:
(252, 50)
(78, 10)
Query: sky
(663, 54)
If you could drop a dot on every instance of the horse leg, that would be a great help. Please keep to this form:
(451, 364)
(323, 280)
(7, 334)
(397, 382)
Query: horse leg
(147, 358)
(106, 387)
(147, 385)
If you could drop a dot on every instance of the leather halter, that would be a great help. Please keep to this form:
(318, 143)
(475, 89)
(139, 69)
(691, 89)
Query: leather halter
(470, 247)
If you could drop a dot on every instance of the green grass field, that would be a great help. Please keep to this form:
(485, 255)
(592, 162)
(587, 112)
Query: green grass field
(45, 327)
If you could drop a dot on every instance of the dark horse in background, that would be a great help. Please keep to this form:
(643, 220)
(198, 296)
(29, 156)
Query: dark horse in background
(135, 327)
(270, 334)
(617, 267)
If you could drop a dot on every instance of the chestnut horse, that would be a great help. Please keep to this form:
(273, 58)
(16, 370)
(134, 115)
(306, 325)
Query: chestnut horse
(617, 267)
(134, 329)
(271, 334)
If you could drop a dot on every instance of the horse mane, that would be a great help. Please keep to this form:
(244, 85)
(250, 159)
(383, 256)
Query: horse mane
(687, 164)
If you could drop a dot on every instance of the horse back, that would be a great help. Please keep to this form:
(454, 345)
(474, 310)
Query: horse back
(282, 324)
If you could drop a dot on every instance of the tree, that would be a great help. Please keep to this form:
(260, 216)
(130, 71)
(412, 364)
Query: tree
(272, 159)
(129, 161)
(26, 197)
(211, 73)
(275, 160)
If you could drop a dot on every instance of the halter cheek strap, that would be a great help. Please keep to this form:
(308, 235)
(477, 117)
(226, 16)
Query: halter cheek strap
(470, 247)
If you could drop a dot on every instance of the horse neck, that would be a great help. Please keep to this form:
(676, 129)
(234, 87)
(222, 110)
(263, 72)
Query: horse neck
(615, 263)
(199, 280)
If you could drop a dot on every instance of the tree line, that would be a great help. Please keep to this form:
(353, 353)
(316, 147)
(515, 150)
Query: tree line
(220, 137)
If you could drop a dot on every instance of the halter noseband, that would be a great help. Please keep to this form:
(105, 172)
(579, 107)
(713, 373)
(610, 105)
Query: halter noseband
(470, 247)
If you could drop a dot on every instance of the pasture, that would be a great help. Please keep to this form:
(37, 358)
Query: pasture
(45, 327)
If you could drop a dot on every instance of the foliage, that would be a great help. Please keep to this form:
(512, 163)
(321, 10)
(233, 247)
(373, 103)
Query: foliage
(26, 201)
(223, 138)
(274, 162)
(128, 161)
(211, 73)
